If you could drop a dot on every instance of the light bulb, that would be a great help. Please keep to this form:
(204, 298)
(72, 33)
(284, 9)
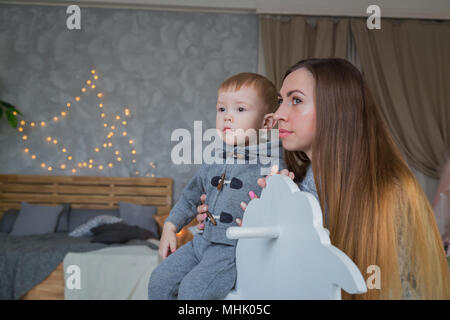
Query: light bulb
(119, 159)
(43, 124)
(84, 164)
(113, 127)
(110, 165)
(55, 118)
(49, 168)
(134, 160)
(104, 145)
(68, 105)
(63, 114)
(100, 167)
(133, 151)
(89, 82)
(32, 124)
(64, 150)
(22, 122)
(26, 150)
(20, 129)
(124, 123)
(105, 125)
(77, 98)
(15, 113)
(90, 166)
(99, 94)
(55, 141)
(74, 170)
(69, 157)
(103, 115)
(83, 89)
(93, 86)
(97, 150)
(96, 77)
(79, 164)
(43, 165)
(117, 117)
(100, 105)
(49, 138)
(124, 134)
(33, 156)
(24, 137)
(63, 166)
(93, 71)
(117, 152)
(109, 144)
(131, 141)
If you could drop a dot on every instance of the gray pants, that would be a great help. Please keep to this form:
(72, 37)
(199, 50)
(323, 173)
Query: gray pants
(198, 270)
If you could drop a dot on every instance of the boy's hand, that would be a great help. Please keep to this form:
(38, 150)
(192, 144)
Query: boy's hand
(168, 241)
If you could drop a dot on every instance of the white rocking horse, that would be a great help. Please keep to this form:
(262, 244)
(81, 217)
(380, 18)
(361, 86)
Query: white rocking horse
(284, 252)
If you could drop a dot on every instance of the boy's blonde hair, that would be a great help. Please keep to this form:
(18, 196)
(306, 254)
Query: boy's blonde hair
(265, 88)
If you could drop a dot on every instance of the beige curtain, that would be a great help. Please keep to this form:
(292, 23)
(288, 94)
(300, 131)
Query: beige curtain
(407, 67)
(287, 40)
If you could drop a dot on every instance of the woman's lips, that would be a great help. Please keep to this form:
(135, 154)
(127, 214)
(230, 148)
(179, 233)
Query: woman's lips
(284, 133)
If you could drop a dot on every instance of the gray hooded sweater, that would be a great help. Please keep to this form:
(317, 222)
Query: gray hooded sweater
(241, 167)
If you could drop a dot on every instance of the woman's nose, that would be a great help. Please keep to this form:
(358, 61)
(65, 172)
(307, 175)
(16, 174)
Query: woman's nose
(281, 113)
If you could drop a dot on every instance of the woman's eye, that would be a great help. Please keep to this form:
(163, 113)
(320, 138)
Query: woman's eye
(280, 101)
(296, 101)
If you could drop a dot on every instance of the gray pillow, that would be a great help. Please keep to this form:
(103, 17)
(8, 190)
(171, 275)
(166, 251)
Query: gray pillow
(79, 216)
(139, 215)
(36, 219)
(63, 221)
(8, 219)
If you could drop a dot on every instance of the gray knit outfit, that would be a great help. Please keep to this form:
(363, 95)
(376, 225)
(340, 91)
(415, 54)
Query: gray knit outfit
(205, 267)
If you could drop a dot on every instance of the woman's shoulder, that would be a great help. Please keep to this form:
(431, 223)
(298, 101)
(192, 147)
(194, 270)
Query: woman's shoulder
(307, 184)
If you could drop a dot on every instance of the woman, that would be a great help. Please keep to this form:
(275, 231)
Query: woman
(376, 211)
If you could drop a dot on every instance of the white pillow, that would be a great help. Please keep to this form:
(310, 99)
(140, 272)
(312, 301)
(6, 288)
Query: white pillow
(85, 229)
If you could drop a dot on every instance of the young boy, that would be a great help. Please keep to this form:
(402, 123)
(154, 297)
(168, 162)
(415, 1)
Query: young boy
(205, 267)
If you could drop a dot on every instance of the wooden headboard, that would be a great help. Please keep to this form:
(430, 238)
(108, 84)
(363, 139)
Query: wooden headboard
(89, 192)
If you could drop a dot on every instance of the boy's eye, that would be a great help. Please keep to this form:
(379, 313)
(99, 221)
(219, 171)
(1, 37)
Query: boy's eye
(221, 109)
(280, 101)
(241, 109)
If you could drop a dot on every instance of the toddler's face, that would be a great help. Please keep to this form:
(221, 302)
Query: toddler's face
(241, 109)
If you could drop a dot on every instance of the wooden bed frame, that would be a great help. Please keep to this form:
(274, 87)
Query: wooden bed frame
(89, 192)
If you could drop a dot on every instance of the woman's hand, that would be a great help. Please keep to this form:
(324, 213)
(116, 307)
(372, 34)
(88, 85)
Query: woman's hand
(262, 183)
(168, 241)
(201, 212)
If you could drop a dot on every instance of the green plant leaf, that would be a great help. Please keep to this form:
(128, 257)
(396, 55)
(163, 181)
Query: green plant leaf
(11, 118)
(8, 105)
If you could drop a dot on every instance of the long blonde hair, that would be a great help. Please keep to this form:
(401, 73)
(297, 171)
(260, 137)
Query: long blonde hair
(378, 213)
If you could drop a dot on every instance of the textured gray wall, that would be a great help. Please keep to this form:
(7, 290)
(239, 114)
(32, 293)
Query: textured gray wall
(164, 66)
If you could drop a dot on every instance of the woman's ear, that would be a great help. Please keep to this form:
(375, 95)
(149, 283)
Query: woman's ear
(269, 121)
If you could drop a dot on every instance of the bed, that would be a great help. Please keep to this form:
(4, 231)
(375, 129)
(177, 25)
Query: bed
(90, 192)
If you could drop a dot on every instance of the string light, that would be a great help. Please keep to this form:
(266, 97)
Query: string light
(63, 114)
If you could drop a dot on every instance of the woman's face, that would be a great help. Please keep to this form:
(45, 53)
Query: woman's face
(296, 115)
